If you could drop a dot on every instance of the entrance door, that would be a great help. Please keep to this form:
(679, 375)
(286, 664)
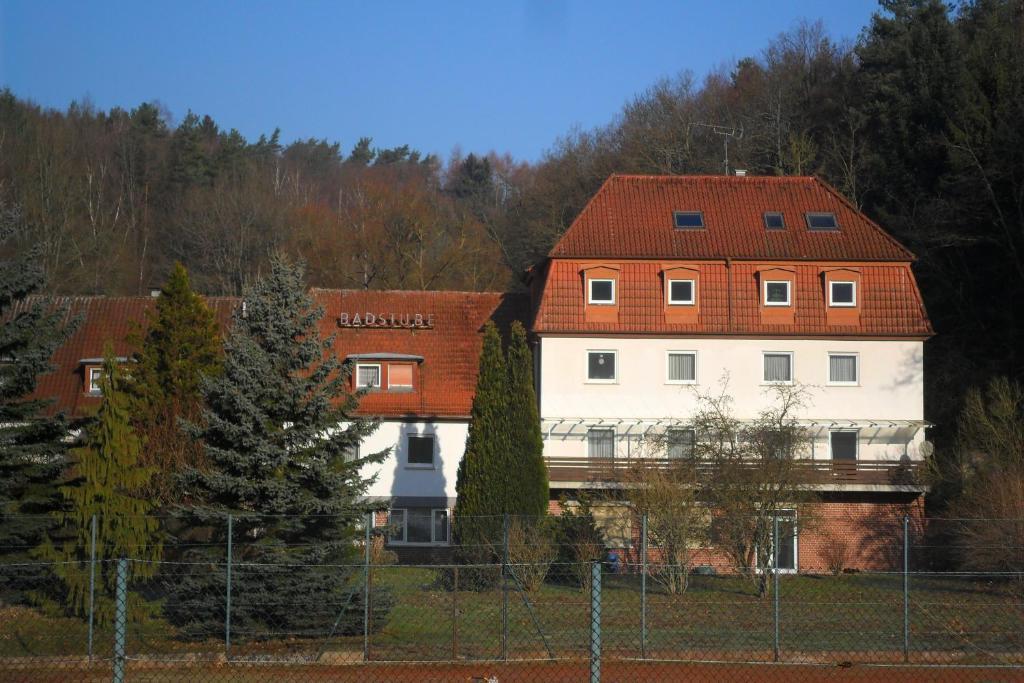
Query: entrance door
(786, 544)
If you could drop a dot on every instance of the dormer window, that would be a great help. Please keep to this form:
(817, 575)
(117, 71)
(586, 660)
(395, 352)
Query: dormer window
(95, 375)
(601, 291)
(777, 293)
(842, 293)
(368, 376)
(821, 221)
(773, 220)
(688, 220)
(681, 292)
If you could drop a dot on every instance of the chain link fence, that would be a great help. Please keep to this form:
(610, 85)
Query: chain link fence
(533, 605)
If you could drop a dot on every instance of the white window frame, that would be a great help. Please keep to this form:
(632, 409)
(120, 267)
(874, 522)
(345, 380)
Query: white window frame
(828, 368)
(615, 441)
(787, 514)
(856, 445)
(399, 387)
(590, 291)
(842, 304)
(668, 365)
(391, 525)
(586, 366)
(405, 528)
(789, 293)
(380, 375)
(792, 367)
(693, 292)
(95, 375)
(433, 451)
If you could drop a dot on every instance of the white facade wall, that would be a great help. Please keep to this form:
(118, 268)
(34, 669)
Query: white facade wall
(890, 386)
(395, 477)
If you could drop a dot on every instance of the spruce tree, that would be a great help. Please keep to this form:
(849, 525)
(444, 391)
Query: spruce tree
(279, 464)
(526, 472)
(107, 482)
(32, 443)
(481, 486)
(180, 346)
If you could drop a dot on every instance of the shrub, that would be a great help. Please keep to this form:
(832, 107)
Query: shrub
(530, 552)
(836, 554)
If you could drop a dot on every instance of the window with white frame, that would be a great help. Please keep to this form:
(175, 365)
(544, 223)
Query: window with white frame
(682, 367)
(778, 367)
(420, 450)
(368, 376)
(601, 442)
(418, 526)
(843, 444)
(843, 369)
(95, 374)
(842, 293)
(777, 292)
(682, 292)
(601, 291)
(786, 543)
(679, 442)
(601, 366)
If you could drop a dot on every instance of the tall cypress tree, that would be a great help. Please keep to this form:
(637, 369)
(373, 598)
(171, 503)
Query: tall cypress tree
(107, 482)
(32, 445)
(279, 464)
(480, 488)
(526, 472)
(180, 346)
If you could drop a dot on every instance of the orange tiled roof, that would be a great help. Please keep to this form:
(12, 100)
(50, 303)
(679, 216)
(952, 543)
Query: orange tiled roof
(890, 304)
(631, 217)
(450, 350)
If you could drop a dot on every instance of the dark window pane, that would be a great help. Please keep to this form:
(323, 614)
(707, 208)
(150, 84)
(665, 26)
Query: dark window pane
(822, 221)
(844, 445)
(396, 526)
(601, 365)
(601, 290)
(787, 543)
(421, 450)
(774, 221)
(842, 292)
(440, 526)
(681, 291)
(689, 220)
(777, 292)
(418, 525)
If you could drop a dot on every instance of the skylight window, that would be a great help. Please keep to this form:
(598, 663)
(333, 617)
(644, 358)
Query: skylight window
(773, 220)
(821, 221)
(688, 220)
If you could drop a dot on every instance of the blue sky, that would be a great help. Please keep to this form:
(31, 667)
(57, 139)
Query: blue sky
(480, 75)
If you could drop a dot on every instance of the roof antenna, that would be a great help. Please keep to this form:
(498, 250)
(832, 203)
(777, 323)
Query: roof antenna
(726, 132)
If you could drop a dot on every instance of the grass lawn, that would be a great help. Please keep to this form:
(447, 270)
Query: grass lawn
(857, 617)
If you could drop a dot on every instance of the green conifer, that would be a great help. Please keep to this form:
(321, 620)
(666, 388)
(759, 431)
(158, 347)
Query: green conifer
(526, 472)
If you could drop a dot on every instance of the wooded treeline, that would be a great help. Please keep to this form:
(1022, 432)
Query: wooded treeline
(920, 122)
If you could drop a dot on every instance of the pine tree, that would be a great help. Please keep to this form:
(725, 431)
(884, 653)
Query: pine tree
(480, 487)
(106, 482)
(32, 444)
(526, 472)
(280, 466)
(180, 346)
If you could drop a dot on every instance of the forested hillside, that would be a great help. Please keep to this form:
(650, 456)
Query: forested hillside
(920, 122)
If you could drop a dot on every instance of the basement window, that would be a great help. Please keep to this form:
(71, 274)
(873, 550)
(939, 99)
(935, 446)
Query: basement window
(688, 220)
(821, 221)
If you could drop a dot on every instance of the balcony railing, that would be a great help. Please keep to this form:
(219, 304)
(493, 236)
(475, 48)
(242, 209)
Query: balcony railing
(812, 472)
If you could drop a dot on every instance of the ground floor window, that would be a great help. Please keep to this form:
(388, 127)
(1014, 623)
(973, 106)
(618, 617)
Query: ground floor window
(600, 442)
(843, 445)
(423, 526)
(786, 543)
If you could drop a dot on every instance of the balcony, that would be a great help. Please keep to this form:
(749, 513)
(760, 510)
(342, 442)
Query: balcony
(824, 474)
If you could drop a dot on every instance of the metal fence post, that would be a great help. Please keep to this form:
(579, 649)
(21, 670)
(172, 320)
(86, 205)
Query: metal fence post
(366, 587)
(775, 580)
(595, 622)
(643, 586)
(504, 589)
(227, 595)
(906, 588)
(455, 614)
(92, 581)
(120, 619)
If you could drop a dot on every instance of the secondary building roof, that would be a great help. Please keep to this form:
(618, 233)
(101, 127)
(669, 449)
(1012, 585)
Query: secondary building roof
(632, 216)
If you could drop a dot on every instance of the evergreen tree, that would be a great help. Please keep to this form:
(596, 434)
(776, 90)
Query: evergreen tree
(32, 444)
(107, 482)
(181, 345)
(281, 466)
(479, 489)
(527, 474)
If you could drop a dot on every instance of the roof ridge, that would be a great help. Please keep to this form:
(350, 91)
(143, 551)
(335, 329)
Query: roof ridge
(711, 176)
(409, 291)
